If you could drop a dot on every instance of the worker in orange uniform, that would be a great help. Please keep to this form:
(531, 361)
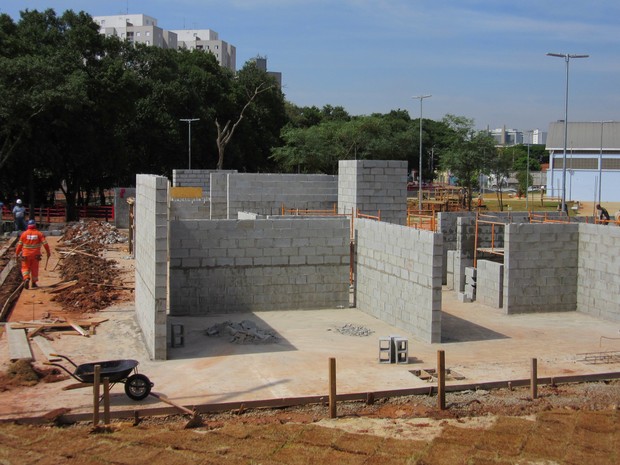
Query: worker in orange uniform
(29, 246)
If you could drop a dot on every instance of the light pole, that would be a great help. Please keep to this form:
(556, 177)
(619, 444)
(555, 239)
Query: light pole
(600, 163)
(421, 98)
(527, 172)
(189, 122)
(567, 57)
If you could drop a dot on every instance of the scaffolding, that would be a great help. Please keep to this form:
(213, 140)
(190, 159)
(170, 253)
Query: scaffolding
(494, 221)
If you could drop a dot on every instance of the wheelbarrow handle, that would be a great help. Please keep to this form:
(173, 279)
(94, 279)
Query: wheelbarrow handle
(58, 365)
(66, 358)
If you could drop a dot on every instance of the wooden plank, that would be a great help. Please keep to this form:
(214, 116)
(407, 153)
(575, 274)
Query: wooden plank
(36, 331)
(186, 192)
(19, 347)
(47, 349)
(78, 328)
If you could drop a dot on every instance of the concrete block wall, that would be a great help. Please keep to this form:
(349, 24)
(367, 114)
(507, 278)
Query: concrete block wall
(470, 283)
(218, 195)
(540, 267)
(195, 178)
(189, 209)
(598, 283)
(464, 256)
(490, 283)
(151, 262)
(121, 207)
(266, 193)
(398, 277)
(227, 266)
(447, 225)
(374, 186)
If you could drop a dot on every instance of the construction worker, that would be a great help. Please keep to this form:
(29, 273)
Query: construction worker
(603, 214)
(29, 246)
(19, 215)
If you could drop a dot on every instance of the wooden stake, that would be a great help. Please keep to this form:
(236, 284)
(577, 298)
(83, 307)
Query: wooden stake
(96, 380)
(106, 401)
(441, 380)
(534, 379)
(332, 388)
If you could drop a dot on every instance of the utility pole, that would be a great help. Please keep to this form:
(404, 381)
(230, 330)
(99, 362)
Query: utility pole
(421, 98)
(189, 122)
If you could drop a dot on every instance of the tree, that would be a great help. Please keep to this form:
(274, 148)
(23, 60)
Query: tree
(256, 104)
(468, 154)
(500, 166)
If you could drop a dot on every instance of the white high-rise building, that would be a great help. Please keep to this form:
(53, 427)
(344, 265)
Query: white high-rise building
(209, 41)
(143, 29)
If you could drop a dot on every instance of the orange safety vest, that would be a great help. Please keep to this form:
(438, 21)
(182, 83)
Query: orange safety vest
(30, 242)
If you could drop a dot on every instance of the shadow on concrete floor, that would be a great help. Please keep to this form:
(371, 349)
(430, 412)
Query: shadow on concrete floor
(455, 329)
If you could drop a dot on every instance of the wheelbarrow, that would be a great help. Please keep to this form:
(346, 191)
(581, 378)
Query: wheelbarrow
(137, 385)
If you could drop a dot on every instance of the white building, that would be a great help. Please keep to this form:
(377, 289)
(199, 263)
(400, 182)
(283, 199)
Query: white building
(136, 29)
(143, 29)
(208, 40)
(592, 161)
(506, 137)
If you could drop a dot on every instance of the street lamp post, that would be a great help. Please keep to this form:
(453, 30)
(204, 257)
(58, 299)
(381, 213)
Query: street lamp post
(600, 163)
(189, 122)
(567, 57)
(527, 172)
(421, 98)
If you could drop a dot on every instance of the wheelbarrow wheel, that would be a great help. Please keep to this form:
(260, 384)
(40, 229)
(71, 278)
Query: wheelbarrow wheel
(137, 387)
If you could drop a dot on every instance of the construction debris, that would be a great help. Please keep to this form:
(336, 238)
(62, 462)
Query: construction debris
(245, 332)
(97, 232)
(90, 282)
(350, 329)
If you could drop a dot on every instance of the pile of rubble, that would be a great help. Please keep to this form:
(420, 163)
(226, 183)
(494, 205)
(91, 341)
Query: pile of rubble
(245, 332)
(92, 232)
(350, 329)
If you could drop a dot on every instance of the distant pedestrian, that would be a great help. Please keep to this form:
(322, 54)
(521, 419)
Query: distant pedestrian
(19, 216)
(29, 246)
(603, 214)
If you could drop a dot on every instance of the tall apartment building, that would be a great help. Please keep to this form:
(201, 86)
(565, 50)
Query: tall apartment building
(261, 63)
(143, 29)
(208, 40)
(137, 29)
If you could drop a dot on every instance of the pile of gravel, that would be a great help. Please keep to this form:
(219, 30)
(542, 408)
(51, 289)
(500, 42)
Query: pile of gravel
(245, 332)
(354, 330)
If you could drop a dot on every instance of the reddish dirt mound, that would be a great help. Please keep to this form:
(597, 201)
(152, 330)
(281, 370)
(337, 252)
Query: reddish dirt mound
(97, 279)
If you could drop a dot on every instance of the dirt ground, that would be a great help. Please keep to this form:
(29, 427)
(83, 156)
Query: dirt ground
(567, 424)
(574, 424)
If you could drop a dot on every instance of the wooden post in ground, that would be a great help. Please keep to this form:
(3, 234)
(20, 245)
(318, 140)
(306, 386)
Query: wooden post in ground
(534, 379)
(106, 401)
(441, 380)
(96, 380)
(332, 387)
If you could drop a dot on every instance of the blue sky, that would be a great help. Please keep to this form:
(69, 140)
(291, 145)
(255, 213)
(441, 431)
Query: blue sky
(483, 59)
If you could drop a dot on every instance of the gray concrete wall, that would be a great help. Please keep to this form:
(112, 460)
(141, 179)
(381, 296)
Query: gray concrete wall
(189, 209)
(195, 178)
(490, 283)
(151, 255)
(540, 267)
(121, 207)
(373, 187)
(398, 277)
(266, 193)
(598, 288)
(226, 266)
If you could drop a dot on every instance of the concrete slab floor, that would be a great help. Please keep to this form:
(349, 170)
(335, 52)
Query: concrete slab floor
(480, 343)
